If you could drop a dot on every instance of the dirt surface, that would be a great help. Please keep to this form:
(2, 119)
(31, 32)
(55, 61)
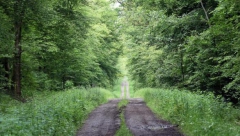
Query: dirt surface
(105, 121)
(142, 122)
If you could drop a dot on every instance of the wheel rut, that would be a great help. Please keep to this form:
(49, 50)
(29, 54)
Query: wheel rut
(105, 121)
(142, 122)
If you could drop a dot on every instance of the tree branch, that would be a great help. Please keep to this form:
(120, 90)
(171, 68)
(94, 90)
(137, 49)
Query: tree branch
(206, 14)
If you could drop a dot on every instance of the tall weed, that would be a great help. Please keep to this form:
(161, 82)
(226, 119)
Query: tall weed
(60, 113)
(196, 114)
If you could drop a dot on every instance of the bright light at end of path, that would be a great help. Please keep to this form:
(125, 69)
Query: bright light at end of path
(116, 5)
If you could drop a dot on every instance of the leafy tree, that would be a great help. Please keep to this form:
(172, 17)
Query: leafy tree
(216, 54)
(17, 12)
(197, 40)
(57, 42)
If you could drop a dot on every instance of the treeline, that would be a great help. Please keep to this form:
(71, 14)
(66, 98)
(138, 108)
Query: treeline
(56, 44)
(189, 43)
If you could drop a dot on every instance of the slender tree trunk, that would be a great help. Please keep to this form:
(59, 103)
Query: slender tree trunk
(19, 13)
(17, 59)
(206, 14)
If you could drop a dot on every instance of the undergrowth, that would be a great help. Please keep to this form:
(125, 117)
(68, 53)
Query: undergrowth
(196, 114)
(55, 113)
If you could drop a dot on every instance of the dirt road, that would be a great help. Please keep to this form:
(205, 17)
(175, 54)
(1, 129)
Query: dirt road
(105, 121)
(142, 122)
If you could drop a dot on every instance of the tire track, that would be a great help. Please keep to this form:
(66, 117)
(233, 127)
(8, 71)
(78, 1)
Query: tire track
(142, 122)
(103, 121)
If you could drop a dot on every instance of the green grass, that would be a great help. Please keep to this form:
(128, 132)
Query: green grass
(51, 113)
(123, 130)
(122, 104)
(140, 93)
(196, 115)
(109, 95)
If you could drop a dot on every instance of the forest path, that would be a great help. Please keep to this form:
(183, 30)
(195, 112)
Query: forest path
(105, 121)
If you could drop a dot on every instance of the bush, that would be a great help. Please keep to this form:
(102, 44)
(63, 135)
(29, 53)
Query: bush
(69, 84)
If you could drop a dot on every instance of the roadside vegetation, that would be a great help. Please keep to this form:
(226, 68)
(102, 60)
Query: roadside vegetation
(196, 114)
(50, 113)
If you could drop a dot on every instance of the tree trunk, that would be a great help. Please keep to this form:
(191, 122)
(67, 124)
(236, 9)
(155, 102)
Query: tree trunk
(19, 13)
(17, 59)
(206, 14)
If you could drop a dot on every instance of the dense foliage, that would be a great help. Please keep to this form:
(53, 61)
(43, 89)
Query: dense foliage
(195, 114)
(49, 113)
(188, 43)
(56, 44)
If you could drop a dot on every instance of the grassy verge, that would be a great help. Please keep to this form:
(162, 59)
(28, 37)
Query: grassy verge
(123, 131)
(108, 95)
(55, 113)
(196, 115)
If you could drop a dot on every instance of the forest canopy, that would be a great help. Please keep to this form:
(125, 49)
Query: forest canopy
(191, 44)
(57, 44)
